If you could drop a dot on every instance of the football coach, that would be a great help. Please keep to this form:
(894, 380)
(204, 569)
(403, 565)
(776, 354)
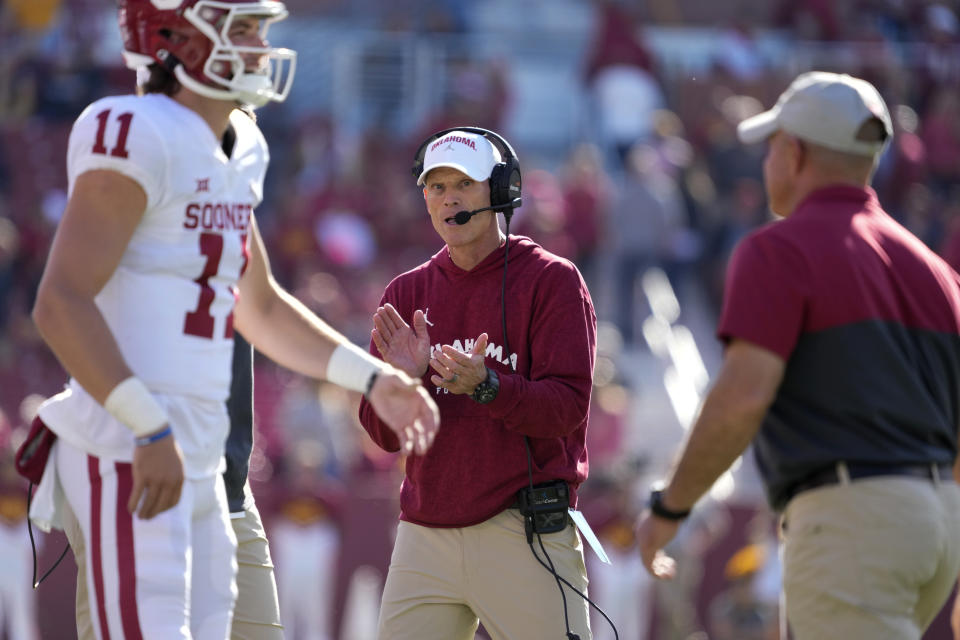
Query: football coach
(842, 366)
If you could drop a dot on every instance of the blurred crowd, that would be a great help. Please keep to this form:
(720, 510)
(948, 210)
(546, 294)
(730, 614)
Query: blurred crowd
(655, 179)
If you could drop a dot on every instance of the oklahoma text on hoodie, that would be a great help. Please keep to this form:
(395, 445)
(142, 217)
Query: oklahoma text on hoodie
(478, 460)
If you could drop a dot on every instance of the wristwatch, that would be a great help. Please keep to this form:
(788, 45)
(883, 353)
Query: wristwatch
(660, 510)
(486, 392)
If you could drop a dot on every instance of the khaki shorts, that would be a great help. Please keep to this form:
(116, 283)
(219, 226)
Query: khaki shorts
(443, 582)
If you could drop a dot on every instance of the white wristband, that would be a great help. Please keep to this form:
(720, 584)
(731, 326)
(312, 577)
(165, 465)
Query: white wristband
(351, 367)
(130, 402)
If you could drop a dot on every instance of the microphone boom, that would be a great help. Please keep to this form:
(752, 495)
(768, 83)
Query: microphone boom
(463, 217)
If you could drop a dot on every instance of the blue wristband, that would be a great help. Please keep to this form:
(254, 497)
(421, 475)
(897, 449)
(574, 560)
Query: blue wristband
(159, 435)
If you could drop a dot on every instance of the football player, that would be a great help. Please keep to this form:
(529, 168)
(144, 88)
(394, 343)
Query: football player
(157, 261)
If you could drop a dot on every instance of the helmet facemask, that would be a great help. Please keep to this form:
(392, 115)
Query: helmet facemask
(226, 65)
(193, 41)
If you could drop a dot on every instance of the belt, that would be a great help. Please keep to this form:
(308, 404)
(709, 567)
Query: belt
(846, 472)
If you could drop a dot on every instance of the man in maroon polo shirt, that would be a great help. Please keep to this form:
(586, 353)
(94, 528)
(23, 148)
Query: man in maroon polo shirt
(842, 365)
(514, 406)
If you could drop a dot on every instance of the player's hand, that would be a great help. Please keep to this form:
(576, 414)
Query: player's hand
(157, 477)
(407, 408)
(406, 348)
(460, 372)
(653, 534)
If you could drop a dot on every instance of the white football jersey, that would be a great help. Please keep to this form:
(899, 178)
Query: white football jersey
(169, 304)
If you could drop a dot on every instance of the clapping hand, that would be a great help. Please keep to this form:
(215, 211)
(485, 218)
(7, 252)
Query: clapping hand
(406, 348)
(460, 372)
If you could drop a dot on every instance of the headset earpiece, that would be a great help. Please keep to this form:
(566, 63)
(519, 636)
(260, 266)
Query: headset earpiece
(505, 185)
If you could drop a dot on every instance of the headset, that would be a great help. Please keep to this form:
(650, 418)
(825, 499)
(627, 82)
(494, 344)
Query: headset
(505, 196)
(505, 180)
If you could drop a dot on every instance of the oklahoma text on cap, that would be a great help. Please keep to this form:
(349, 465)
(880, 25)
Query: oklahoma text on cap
(470, 153)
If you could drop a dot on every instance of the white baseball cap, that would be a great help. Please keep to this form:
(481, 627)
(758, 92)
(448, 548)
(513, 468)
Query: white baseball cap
(470, 153)
(824, 108)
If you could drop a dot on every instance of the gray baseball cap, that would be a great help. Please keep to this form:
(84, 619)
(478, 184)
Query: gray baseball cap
(827, 109)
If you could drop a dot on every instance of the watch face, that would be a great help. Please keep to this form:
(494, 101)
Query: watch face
(486, 391)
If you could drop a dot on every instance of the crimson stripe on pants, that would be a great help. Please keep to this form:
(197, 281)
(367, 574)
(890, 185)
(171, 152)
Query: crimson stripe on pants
(125, 558)
(96, 561)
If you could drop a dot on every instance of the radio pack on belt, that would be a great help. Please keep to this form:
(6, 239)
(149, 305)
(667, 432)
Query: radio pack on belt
(544, 507)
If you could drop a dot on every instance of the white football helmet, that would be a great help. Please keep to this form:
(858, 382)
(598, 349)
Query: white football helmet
(191, 38)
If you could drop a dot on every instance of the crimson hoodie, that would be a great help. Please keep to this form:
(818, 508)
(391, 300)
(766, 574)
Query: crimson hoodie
(478, 460)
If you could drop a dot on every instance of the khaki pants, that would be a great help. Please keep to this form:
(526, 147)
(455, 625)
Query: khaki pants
(71, 527)
(256, 614)
(443, 582)
(875, 558)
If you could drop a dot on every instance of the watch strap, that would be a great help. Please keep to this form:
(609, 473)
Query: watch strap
(661, 510)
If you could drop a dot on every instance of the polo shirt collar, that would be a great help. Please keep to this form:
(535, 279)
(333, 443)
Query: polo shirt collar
(836, 196)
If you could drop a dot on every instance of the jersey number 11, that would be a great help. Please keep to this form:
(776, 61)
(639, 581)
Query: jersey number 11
(200, 321)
